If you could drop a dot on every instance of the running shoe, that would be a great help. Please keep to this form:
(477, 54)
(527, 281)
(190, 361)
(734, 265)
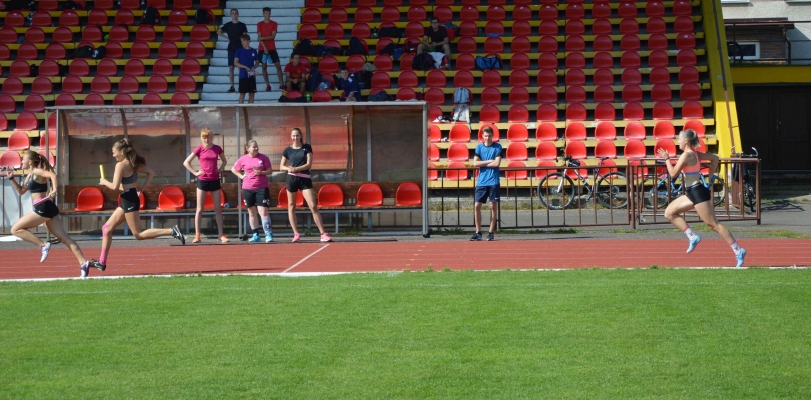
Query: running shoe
(282, 88)
(476, 237)
(45, 249)
(693, 243)
(325, 237)
(255, 238)
(223, 239)
(268, 238)
(740, 256)
(267, 89)
(231, 90)
(85, 268)
(296, 238)
(490, 237)
(98, 265)
(196, 239)
(177, 235)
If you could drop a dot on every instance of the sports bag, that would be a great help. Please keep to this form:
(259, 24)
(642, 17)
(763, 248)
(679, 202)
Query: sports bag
(485, 63)
(422, 62)
(355, 47)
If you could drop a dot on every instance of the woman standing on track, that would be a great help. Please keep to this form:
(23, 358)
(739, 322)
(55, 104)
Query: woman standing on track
(45, 211)
(208, 180)
(255, 168)
(696, 195)
(128, 165)
(297, 160)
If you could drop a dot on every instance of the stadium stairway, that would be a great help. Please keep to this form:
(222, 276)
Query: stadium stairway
(287, 13)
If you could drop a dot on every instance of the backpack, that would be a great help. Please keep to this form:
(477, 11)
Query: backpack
(364, 79)
(485, 63)
(71, 5)
(398, 52)
(461, 96)
(285, 99)
(390, 31)
(355, 47)
(83, 52)
(304, 47)
(422, 62)
(151, 17)
(390, 49)
(410, 46)
(201, 17)
(99, 53)
(33, 70)
(331, 51)
(379, 96)
(314, 80)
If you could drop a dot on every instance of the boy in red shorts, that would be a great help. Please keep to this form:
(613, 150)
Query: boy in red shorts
(295, 73)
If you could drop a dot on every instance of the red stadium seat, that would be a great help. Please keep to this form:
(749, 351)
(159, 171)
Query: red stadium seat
(664, 130)
(93, 99)
(100, 84)
(517, 152)
(338, 15)
(190, 67)
(95, 17)
(34, 103)
(546, 132)
(433, 152)
(634, 131)
(408, 79)
(491, 95)
(406, 94)
(167, 50)
(27, 121)
(519, 78)
(548, 28)
(15, 19)
(575, 27)
(72, 84)
(575, 43)
(381, 44)
(129, 85)
(173, 33)
(434, 134)
(459, 134)
(414, 29)
(311, 16)
(185, 84)
(489, 113)
(547, 112)
(548, 12)
(516, 175)
(630, 43)
(627, 10)
(13, 86)
(603, 60)
(520, 45)
(631, 77)
(666, 144)
(635, 149)
(469, 13)
(682, 7)
(383, 63)
(491, 78)
(458, 152)
(601, 10)
(605, 131)
(434, 97)
(7, 105)
(661, 93)
(27, 51)
(575, 11)
(193, 50)
(576, 149)
(575, 94)
(521, 29)
(633, 112)
(683, 25)
(62, 35)
(519, 95)
(90, 199)
(604, 76)
(35, 35)
(151, 99)
(435, 78)
(686, 58)
(209, 4)
(180, 98)
(415, 14)
(603, 43)
(688, 91)
(631, 60)
(657, 41)
(114, 50)
(19, 69)
(549, 44)
(355, 64)
(602, 26)
(629, 26)
(328, 65)
(517, 133)
(8, 35)
(631, 94)
(688, 75)
(162, 67)
(546, 151)
(467, 45)
(330, 195)
(334, 31)
(547, 95)
(145, 33)
(55, 51)
(41, 85)
(171, 198)
(124, 17)
(658, 58)
(519, 62)
(178, 17)
(605, 148)
(575, 131)
(692, 110)
(122, 99)
(307, 31)
(11, 159)
(108, 67)
(656, 25)
(695, 125)
(41, 18)
(468, 29)
(118, 33)
(463, 79)
(18, 141)
(129, 4)
(48, 68)
(575, 60)
(390, 14)
(443, 13)
(495, 13)
(547, 77)
(654, 9)
(455, 173)
(604, 112)
(575, 77)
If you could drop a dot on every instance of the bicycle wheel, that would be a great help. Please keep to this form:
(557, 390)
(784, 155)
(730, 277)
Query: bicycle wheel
(749, 197)
(553, 195)
(656, 192)
(719, 191)
(611, 190)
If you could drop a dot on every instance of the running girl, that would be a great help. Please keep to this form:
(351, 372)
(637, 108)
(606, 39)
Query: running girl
(696, 195)
(127, 167)
(297, 160)
(253, 168)
(38, 173)
(208, 180)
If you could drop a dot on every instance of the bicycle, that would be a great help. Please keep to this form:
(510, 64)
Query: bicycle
(749, 180)
(665, 196)
(556, 190)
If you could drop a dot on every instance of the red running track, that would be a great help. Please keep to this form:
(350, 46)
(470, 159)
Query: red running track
(555, 253)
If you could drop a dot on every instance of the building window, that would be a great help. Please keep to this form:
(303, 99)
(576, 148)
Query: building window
(744, 51)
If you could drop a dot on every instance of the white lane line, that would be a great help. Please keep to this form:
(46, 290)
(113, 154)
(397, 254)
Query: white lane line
(305, 259)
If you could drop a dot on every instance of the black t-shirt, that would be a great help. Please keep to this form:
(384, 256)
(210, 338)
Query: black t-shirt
(298, 157)
(436, 36)
(234, 32)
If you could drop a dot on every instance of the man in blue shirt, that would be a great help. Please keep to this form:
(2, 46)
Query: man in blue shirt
(487, 159)
(350, 85)
(246, 60)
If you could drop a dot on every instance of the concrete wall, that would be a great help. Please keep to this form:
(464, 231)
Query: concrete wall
(800, 36)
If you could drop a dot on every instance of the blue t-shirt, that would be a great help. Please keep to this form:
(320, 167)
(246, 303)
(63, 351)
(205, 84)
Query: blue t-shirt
(248, 58)
(488, 176)
(351, 85)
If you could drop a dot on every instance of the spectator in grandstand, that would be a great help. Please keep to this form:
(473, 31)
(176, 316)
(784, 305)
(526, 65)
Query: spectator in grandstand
(233, 31)
(246, 59)
(436, 38)
(128, 165)
(487, 158)
(294, 74)
(37, 174)
(297, 159)
(350, 85)
(696, 195)
(208, 179)
(253, 168)
(266, 35)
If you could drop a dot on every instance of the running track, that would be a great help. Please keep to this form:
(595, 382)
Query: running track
(336, 257)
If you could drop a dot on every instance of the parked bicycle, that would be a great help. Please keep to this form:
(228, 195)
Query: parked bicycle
(665, 189)
(556, 190)
(749, 180)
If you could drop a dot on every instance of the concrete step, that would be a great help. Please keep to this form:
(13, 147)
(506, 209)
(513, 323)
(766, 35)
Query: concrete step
(223, 97)
(226, 80)
(221, 59)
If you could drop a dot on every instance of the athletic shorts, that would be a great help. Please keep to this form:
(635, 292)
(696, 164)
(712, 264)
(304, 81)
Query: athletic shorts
(272, 57)
(232, 53)
(297, 86)
(129, 200)
(256, 197)
(697, 193)
(485, 192)
(296, 183)
(46, 209)
(208, 186)
(247, 85)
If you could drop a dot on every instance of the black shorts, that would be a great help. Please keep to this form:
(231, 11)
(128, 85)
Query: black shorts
(46, 209)
(129, 201)
(208, 186)
(484, 192)
(296, 183)
(247, 85)
(256, 197)
(698, 193)
(296, 86)
(271, 57)
(232, 53)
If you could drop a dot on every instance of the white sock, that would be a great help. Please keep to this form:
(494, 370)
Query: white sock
(689, 233)
(735, 247)
(266, 226)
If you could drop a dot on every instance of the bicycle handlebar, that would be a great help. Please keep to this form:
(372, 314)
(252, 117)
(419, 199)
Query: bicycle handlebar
(711, 182)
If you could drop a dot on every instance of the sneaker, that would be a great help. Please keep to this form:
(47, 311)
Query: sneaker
(268, 238)
(693, 243)
(282, 88)
(177, 235)
(267, 89)
(296, 238)
(223, 239)
(196, 239)
(325, 237)
(98, 265)
(45, 249)
(255, 238)
(85, 268)
(231, 90)
(476, 237)
(490, 237)
(740, 256)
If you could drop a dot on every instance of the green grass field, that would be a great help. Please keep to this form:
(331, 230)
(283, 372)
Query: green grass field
(652, 333)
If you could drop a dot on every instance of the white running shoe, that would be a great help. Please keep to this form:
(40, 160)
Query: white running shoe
(45, 249)
(85, 269)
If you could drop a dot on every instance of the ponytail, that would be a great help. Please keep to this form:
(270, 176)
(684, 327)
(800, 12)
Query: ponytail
(126, 146)
(39, 160)
(692, 137)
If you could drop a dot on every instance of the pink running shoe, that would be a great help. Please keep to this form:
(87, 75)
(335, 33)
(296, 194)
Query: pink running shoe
(325, 237)
(296, 238)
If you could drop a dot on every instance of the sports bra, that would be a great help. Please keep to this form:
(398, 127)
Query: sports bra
(130, 179)
(36, 187)
(693, 169)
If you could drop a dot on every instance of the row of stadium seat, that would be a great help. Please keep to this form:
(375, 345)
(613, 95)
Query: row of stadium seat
(58, 51)
(18, 19)
(104, 67)
(53, 5)
(118, 33)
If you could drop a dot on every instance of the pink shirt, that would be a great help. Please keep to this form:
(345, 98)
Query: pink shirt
(208, 162)
(251, 180)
